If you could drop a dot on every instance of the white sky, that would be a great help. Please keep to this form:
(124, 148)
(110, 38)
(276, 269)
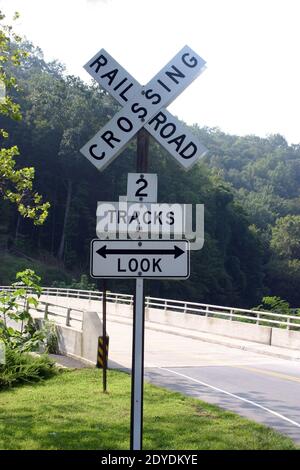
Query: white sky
(252, 81)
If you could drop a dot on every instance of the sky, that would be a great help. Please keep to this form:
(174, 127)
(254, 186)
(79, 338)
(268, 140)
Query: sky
(252, 81)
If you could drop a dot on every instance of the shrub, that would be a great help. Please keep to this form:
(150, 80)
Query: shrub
(20, 368)
(274, 304)
(15, 308)
(51, 338)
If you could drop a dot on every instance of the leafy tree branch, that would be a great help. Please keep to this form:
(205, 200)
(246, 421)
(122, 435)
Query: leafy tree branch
(16, 185)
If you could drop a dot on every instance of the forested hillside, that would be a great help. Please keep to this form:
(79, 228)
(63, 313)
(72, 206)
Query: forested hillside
(249, 185)
(265, 177)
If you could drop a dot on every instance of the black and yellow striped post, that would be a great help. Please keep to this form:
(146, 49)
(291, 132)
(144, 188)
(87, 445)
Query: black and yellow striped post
(102, 358)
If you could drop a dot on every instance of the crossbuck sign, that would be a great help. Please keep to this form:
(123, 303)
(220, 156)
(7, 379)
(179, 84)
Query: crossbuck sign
(144, 106)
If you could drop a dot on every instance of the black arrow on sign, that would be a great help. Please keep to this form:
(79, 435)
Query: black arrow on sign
(103, 251)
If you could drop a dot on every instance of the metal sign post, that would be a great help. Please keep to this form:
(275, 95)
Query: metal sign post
(137, 372)
(105, 346)
(138, 334)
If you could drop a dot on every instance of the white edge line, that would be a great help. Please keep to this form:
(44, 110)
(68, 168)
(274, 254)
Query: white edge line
(233, 395)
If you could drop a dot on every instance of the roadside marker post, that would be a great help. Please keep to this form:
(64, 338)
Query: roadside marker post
(101, 356)
(143, 113)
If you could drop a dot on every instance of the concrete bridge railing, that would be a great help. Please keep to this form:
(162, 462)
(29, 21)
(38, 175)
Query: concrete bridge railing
(252, 325)
(257, 317)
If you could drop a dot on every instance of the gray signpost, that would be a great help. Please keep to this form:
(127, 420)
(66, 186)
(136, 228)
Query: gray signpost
(143, 112)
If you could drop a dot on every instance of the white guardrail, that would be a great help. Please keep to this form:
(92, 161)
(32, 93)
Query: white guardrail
(257, 317)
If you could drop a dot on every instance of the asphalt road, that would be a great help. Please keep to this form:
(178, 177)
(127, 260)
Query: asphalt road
(264, 389)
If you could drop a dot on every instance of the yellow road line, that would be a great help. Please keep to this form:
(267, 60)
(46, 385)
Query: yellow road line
(271, 373)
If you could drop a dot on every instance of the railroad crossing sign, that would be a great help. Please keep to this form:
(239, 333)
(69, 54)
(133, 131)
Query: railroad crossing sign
(140, 259)
(142, 187)
(144, 107)
(140, 218)
(138, 213)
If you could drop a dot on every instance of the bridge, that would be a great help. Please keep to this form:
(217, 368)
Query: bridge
(243, 360)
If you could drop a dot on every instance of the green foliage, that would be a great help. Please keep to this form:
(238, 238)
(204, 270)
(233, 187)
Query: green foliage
(83, 284)
(14, 307)
(286, 237)
(51, 338)
(274, 304)
(23, 368)
(265, 178)
(10, 264)
(16, 185)
(284, 278)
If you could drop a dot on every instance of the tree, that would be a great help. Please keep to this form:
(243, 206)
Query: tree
(286, 237)
(16, 185)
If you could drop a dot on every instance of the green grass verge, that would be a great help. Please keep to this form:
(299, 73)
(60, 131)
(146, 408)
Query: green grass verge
(69, 411)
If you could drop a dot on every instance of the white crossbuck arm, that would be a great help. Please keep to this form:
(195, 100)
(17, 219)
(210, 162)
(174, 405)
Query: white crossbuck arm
(144, 106)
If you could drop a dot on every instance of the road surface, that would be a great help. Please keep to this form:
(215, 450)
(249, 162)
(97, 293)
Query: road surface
(262, 388)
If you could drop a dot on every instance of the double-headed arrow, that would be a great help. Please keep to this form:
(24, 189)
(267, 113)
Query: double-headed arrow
(104, 251)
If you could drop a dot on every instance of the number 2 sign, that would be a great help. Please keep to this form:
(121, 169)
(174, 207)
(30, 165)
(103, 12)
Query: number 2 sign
(142, 187)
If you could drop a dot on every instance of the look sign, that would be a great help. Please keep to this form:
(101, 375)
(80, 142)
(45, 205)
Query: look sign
(144, 107)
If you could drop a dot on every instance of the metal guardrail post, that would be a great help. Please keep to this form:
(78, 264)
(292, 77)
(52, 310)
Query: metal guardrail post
(231, 313)
(288, 323)
(257, 318)
(165, 305)
(46, 311)
(184, 309)
(207, 311)
(68, 317)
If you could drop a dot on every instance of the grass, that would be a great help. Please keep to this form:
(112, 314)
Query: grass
(69, 411)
